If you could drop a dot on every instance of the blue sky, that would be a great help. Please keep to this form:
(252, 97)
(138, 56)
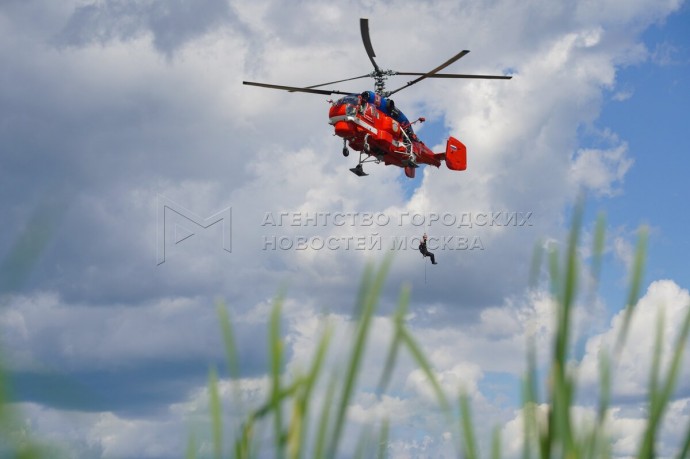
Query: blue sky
(107, 105)
(653, 121)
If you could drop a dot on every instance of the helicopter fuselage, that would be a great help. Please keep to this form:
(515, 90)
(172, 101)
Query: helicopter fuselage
(374, 127)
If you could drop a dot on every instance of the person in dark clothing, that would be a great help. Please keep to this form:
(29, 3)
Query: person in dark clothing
(425, 251)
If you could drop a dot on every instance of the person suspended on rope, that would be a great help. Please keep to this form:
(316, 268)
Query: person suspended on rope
(425, 251)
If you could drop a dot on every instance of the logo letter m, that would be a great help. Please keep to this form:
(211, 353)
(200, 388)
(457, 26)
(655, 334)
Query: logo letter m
(167, 208)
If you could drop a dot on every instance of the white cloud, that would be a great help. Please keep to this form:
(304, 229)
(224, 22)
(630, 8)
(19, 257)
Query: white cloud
(663, 299)
(601, 170)
(624, 251)
(623, 95)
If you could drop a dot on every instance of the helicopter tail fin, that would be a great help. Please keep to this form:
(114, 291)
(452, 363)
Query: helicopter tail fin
(455, 155)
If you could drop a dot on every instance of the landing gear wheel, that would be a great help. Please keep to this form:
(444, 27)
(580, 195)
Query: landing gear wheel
(346, 152)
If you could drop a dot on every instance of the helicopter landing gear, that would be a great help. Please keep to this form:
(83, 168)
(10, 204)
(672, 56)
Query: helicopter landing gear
(411, 161)
(346, 152)
(368, 154)
(358, 170)
(367, 147)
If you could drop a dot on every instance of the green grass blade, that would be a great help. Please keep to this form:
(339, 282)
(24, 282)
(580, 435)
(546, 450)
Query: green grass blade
(598, 249)
(685, 449)
(659, 401)
(596, 441)
(191, 447)
(243, 445)
(398, 319)
(383, 441)
(275, 346)
(554, 272)
(230, 355)
(571, 281)
(309, 382)
(19, 262)
(324, 418)
(562, 388)
(604, 386)
(537, 260)
(567, 297)
(228, 340)
(635, 287)
(656, 361)
(370, 299)
(296, 428)
(527, 421)
(496, 443)
(529, 398)
(470, 446)
(420, 359)
(363, 444)
(365, 287)
(216, 410)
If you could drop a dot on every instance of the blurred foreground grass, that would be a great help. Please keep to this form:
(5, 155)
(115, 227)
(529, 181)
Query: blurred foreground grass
(281, 426)
(290, 423)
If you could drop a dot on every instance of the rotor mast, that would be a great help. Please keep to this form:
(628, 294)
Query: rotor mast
(380, 77)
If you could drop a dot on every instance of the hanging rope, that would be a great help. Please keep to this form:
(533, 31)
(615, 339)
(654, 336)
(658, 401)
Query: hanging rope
(425, 257)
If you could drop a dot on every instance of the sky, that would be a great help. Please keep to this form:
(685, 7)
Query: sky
(110, 109)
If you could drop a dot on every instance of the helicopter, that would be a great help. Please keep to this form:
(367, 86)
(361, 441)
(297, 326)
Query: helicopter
(371, 124)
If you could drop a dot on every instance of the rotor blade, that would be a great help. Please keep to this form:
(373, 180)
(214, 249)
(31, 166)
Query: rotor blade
(364, 28)
(458, 75)
(338, 81)
(437, 69)
(295, 89)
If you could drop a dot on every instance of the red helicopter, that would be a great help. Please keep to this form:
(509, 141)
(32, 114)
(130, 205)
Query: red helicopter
(371, 124)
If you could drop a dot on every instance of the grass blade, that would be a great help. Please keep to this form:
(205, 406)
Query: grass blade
(470, 446)
(398, 319)
(369, 299)
(598, 249)
(659, 401)
(324, 419)
(496, 444)
(275, 347)
(383, 441)
(424, 365)
(216, 410)
(685, 450)
(19, 262)
(302, 405)
(635, 287)
(191, 447)
(535, 269)
(529, 398)
(228, 340)
(363, 443)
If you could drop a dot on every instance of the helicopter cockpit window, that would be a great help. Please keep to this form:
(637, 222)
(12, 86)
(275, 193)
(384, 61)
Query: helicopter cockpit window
(350, 103)
(347, 100)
